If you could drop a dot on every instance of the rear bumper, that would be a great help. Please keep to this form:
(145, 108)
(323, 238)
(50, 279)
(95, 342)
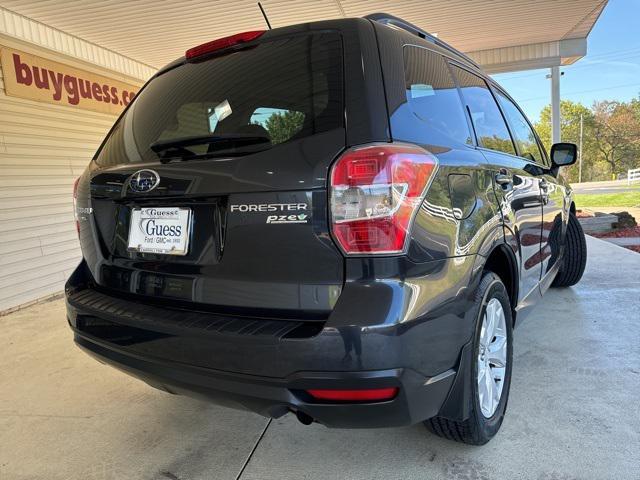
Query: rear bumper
(225, 359)
(275, 397)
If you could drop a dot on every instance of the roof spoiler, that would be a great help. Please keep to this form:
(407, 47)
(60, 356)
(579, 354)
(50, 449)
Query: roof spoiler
(386, 19)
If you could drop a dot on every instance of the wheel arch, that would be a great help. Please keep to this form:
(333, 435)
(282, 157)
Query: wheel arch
(502, 261)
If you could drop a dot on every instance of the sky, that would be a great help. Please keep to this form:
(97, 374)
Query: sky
(609, 71)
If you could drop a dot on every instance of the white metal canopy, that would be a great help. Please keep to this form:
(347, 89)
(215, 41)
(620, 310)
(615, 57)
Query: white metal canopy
(502, 35)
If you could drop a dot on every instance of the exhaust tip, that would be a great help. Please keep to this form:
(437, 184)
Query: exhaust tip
(303, 418)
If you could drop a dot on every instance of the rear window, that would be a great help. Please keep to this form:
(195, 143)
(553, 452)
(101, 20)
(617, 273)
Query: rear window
(236, 104)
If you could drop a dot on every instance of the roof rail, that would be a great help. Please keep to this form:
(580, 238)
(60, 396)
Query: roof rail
(386, 19)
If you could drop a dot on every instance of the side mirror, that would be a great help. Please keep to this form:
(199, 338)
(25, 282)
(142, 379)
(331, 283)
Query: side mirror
(564, 154)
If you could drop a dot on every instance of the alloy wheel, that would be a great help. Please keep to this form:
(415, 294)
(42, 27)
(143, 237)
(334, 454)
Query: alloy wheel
(492, 357)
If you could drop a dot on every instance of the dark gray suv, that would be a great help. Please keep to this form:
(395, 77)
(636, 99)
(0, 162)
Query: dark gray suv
(341, 219)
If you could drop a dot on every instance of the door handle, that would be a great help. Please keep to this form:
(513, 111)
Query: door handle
(544, 191)
(544, 185)
(503, 178)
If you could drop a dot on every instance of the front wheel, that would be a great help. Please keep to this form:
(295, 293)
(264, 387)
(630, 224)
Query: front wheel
(574, 259)
(491, 368)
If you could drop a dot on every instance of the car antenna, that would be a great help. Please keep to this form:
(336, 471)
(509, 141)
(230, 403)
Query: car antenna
(264, 14)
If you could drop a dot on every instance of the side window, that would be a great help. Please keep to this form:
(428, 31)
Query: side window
(433, 104)
(523, 133)
(491, 129)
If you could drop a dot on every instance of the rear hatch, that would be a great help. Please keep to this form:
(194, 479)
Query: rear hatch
(212, 187)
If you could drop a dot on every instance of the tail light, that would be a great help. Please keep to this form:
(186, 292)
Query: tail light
(369, 395)
(222, 43)
(376, 191)
(75, 204)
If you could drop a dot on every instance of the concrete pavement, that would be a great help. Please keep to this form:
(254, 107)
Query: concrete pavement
(573, 412)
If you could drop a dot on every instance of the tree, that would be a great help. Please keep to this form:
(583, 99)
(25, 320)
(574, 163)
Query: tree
(495, 143)
(282, 126)
(570, 113)
(617, 131)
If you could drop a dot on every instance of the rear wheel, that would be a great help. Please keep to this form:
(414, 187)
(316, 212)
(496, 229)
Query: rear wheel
(490, 368)
(574, 259)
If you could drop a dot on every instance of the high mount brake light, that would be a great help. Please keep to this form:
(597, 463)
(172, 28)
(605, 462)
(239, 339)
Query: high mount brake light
(75, 204)
(376, 191)
(369, 395)
(222, 43)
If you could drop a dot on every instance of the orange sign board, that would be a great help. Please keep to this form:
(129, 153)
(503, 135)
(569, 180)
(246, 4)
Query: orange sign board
(36, 78)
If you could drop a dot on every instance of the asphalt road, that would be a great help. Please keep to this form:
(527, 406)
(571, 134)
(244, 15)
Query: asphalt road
(596, 188)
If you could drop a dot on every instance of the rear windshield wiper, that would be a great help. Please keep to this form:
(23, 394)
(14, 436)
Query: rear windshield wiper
(181, 157)
(228, 145)
(224, 140)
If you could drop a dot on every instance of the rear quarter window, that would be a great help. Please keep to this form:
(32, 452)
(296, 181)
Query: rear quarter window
(433, 112)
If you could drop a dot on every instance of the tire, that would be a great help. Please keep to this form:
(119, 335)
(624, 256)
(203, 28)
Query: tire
(574, 259)
(479, 428)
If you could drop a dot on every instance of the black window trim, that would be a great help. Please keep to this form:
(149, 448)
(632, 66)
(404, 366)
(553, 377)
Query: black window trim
(491, 84)
(448, 59)
(468, 113)
(465, 107)
(451, 60)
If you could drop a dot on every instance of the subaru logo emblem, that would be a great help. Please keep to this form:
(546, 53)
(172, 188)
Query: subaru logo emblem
(144, 181)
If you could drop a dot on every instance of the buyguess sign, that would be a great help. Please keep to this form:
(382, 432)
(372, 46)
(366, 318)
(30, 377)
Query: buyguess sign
(36, 78)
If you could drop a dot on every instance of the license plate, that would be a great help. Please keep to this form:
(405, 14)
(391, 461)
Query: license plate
(163, 230)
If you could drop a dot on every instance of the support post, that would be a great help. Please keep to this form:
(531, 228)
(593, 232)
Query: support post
(555, 104)
(580, 150)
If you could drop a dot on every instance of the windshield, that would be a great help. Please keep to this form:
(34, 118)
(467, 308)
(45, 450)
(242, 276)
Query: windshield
(236, 104)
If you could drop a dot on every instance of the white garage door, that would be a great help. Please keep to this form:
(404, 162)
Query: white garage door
(43, 148)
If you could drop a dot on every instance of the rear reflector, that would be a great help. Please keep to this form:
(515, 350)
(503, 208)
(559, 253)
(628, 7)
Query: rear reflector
(222, 43)
(370, 395)
(376, 191)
